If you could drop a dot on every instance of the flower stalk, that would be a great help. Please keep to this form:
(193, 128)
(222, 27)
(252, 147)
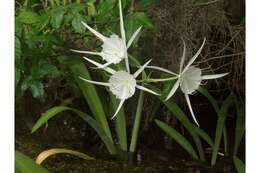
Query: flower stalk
(137, 122)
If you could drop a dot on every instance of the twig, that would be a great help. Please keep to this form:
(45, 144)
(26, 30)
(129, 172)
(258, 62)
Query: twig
(207, 3)
(229, 42)
(227, 64)
(219, 57)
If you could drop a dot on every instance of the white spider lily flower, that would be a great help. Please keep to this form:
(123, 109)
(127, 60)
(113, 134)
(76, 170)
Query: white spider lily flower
(114, 48)
(189, 78)
(121, 83)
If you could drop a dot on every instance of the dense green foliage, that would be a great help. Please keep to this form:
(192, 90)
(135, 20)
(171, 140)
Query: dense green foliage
(45, 31)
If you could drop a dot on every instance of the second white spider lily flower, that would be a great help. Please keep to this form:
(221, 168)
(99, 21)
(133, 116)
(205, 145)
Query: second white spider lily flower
(189, 78)
(114, 48)
(121, 83)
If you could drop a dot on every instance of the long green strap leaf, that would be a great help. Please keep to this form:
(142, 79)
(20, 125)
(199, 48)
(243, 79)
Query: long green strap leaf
(215, 105)
(120, 124)
(240, 126)
(220, 126)
(78, 68)
(91, 121)
(211, 99)
(179, 114)
(239, 165)
(177, 137)
(24, 164)
(204, 136)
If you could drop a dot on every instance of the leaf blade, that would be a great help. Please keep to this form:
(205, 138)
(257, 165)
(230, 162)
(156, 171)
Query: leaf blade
(220, 127)
(178, 138)
(91, 121)
(24, 164)
(47, 153)
(239, 165)
(180, 115)
(240, 125)
(78, 68)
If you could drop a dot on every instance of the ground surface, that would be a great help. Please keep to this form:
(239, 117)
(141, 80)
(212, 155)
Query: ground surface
(152, 155)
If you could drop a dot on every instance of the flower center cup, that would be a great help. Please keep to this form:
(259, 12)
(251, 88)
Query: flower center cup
(113, 49)
(122, 84)
(190, 80)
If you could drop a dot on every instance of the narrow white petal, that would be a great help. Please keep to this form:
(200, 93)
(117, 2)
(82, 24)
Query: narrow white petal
(139, 71)
(195, 56)
(87, 52)
(133, 37)
(146, 89)
(183, 56)
(118, 108)
(213, 76)
(191, 111)
(96, 33)
(173, 90)
(95, 82)
(221, 154)
(108, 69)
(161, 69)
(105, 65)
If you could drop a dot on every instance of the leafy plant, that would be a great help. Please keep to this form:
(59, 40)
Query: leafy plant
(91, 121)
(220, 128)
(45, 30)
(180, 115)
(97, 117)
(197, 132)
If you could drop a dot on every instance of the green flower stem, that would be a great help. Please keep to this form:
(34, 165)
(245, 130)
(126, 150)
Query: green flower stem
(157, 80)
(137, 122)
